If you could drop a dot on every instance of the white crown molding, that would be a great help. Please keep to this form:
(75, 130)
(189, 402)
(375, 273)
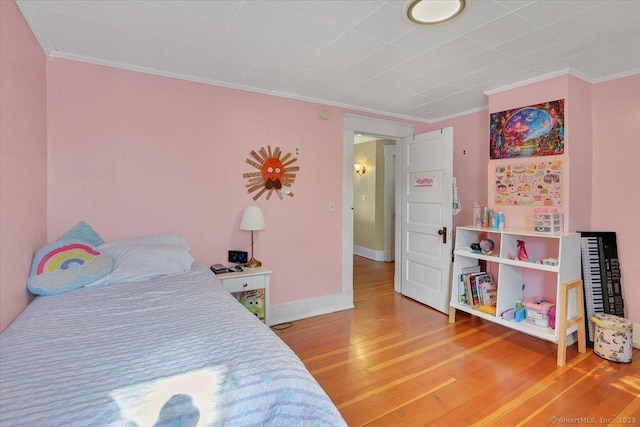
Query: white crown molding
(95, 61)
(617, 76)
(113, 64)
(527, 82)
(563, 72)
(465, 113)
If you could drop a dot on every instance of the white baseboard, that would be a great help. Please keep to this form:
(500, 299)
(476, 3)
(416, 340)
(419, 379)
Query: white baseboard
(369, 253)
(636, 336)
(310, 307)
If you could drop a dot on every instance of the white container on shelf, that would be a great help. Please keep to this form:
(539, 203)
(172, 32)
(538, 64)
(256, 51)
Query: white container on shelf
(546, 222)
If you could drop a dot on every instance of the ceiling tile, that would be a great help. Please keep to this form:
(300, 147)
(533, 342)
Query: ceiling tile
(584, 23)
(343, 13)
(482, 59)
(609, 61)
(501, 30)
(604, 37)
(354, 45)
(420, 65)
(222, 11)
(193, 28)
(290, 54)
(447, 72)
(390, 54)
(185, 50)
(266, 74)
(330, 62)
(515, 4)
(477, 14)
(313, 32)
(298, 6)
(548, 54)
(264, 18)
(424, 38)
(527, 43)
(456, 49)
(223, 75)
(245, 42)
(545, 13)
(384, 23)
(629, 10)
(363, 70)
(437, 92)
(135, 14)
(390, 78)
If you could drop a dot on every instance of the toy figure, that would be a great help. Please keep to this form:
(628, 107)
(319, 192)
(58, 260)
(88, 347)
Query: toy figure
(522, 251)
(254, 302)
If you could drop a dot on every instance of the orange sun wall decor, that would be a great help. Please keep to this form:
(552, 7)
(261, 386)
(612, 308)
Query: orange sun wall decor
(275, 173)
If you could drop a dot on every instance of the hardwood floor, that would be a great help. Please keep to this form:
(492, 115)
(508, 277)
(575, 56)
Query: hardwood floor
(394, 362)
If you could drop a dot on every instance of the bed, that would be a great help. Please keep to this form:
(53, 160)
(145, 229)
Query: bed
(175, 350)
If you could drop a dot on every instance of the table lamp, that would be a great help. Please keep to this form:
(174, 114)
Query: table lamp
(252, 220)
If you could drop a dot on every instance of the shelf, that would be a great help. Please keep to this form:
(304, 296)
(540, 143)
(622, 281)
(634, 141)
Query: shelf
(507, 261)
(510, 273)
(547, 334)
(514, 231)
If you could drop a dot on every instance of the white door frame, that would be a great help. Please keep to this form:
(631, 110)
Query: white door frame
(389, 201)
(354, 123)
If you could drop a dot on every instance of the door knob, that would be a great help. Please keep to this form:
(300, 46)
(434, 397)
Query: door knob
(443, 233)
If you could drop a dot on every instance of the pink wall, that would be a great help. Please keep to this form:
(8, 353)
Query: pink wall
(470, 157)
(133, 154)
(578, 156)
(548, 90)
(23, 158)
(597, 193)
(616, 135)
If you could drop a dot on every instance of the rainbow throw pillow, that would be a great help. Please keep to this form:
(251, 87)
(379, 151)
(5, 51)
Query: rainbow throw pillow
(65, 265)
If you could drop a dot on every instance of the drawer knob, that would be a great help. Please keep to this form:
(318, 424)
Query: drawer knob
(245, 285)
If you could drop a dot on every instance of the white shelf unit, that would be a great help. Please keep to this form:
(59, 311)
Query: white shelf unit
(511, 272)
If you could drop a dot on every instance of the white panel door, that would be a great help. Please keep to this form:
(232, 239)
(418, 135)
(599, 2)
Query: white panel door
(427, 194)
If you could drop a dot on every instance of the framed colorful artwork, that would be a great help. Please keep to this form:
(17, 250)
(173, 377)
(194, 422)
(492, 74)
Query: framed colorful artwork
(275, 173)
(536, 130)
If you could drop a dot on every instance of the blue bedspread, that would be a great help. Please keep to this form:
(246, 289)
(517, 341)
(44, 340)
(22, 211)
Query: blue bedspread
(174, 351)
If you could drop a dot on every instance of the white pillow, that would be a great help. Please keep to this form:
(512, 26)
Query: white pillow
(139, 262)
(152, 239)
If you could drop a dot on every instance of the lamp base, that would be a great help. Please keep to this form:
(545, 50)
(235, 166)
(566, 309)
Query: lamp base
(253, 263)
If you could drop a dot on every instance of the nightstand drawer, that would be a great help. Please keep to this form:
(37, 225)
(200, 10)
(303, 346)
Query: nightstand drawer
(241, 284)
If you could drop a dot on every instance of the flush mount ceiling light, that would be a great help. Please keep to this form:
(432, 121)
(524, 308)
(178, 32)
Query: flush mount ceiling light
(433, 11)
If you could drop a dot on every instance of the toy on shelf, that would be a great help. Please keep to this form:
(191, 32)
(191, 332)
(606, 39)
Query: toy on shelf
(522, 251)
(487, 245)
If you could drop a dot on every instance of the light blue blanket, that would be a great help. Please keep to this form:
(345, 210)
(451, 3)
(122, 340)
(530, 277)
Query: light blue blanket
(174, 351)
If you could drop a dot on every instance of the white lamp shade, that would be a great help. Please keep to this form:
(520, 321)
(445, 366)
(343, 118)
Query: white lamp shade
(252, 219)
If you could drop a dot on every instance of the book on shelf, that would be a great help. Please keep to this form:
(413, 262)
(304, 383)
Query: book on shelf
(486, 289)
(464, 293)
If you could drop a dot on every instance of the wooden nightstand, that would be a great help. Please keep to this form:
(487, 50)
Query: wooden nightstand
(247, 280)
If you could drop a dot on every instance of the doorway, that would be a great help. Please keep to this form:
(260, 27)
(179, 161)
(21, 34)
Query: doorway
(368, 125)
(374, 197)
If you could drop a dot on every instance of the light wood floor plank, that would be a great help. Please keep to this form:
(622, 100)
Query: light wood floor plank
(394, 362)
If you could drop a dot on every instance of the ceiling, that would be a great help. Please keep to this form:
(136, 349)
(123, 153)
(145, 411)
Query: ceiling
(357, 54)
